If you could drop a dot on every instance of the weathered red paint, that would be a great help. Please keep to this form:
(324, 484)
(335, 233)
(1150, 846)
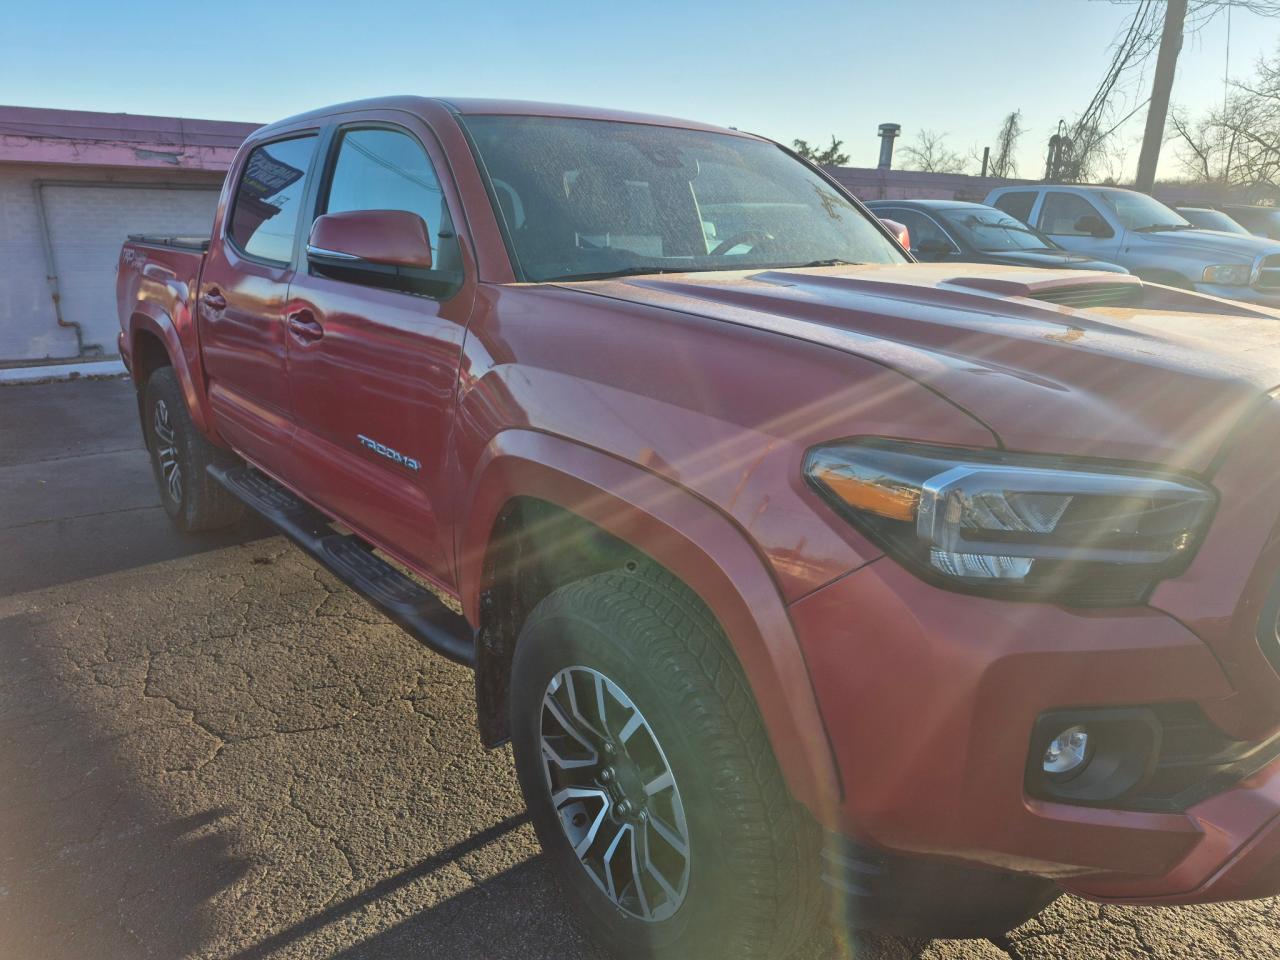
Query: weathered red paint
(674, 412)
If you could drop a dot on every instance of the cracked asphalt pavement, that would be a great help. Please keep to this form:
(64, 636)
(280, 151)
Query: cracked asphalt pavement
(210, 748)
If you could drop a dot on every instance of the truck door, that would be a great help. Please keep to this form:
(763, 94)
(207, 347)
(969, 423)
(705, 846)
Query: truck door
(373, 366)
(240, 305)
(1075, 223)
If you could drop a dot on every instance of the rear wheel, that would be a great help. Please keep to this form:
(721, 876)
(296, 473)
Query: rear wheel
(180, 458)
(649, 777)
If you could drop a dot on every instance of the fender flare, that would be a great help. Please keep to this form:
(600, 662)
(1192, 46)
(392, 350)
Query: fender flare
(150, 318)
(694, 541)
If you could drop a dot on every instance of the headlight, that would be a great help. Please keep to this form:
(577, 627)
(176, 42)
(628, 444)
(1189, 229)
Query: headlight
(1229, 274)
(1087, 532)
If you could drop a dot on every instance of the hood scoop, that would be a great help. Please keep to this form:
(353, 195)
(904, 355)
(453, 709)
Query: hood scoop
(1081, 294)
(1095, 295)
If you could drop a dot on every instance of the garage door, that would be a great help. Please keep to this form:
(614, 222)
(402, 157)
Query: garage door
(87, 225)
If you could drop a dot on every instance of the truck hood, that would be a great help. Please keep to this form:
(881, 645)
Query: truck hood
(1128, 382)
(1229, 247)
(1050, 259)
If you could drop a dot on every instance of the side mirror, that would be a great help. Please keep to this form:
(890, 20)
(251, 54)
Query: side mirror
(899, 231)
(380, 248)
(394, 238)
(1094, 226)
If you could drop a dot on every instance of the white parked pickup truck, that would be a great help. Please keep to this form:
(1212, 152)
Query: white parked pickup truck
(1148, 238)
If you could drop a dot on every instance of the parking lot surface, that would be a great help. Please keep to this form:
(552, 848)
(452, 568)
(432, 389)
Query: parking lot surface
(210, 748)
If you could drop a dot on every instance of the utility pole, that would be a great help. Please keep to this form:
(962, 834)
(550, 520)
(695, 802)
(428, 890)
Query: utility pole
(1158, 110)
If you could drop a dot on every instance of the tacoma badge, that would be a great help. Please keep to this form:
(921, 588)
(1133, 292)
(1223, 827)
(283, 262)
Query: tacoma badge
(384, 451)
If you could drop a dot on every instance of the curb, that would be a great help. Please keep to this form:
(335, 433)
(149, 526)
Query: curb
(63, 371)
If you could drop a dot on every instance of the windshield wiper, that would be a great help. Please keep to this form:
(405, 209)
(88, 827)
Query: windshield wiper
(640, 271)
(990, 225)
(608, 274)
(1161, 227)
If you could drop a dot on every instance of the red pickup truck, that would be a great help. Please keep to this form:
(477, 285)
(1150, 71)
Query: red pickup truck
(794, 571)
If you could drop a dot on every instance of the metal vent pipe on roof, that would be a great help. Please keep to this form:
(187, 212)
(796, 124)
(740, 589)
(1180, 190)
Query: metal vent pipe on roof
(888, 132)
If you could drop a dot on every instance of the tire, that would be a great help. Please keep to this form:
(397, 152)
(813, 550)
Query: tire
(748, 884)
(180, 457)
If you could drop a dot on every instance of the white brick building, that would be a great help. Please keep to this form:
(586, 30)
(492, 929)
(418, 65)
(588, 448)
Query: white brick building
(73, 185)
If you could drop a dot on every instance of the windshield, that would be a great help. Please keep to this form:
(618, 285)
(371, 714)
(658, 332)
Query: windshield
(581, 199)
(993, 231)
(1137, 211)
(1212, 220)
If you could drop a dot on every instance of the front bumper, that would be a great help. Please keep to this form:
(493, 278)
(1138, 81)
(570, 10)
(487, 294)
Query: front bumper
(929, 698)
(1237, 856)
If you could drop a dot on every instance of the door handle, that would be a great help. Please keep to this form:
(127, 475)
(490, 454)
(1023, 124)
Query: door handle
(213, 300)
(305, 326)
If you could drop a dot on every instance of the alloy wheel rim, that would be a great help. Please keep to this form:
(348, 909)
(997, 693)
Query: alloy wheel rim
(167, 451)
(614, 793)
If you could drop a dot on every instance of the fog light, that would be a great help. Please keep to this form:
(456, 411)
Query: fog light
(1092, 755)
(1067, 752)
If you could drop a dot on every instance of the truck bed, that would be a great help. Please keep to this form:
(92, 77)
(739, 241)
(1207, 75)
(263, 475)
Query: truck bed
(200, 244)
(158, 276)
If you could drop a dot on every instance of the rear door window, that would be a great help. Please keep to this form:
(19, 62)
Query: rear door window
(1017, 204)
(264, 217)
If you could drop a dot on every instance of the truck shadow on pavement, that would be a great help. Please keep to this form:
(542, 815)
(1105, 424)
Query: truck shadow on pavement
(62, 552)
(495, 919)
(77, 495)
(89, 865)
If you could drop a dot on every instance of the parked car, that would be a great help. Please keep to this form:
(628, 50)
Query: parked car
(781, 560)
(1151, 240)
(1256, 220)
(1262, 221)
(1206, 218)
(974, 233)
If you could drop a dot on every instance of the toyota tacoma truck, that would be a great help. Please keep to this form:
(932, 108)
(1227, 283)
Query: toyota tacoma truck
(798, 574)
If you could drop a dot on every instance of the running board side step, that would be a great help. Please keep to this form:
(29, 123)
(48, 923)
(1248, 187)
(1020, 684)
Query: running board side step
(417, 610)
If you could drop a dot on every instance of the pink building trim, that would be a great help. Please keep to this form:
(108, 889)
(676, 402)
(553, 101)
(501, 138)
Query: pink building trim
(35, 135)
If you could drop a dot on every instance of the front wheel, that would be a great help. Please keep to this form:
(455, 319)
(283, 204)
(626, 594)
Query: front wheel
(649, 777)
(180, 458)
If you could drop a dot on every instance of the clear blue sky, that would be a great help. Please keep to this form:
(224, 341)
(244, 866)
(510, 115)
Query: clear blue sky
(804, 68)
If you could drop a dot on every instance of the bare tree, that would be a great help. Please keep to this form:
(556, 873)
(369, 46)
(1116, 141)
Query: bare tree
(930, 154)
(1237, 144)
(829, 157)
(1003, 163)
(1095, 155)
(1207, 146)
(1119, 94)
(1091, 130)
